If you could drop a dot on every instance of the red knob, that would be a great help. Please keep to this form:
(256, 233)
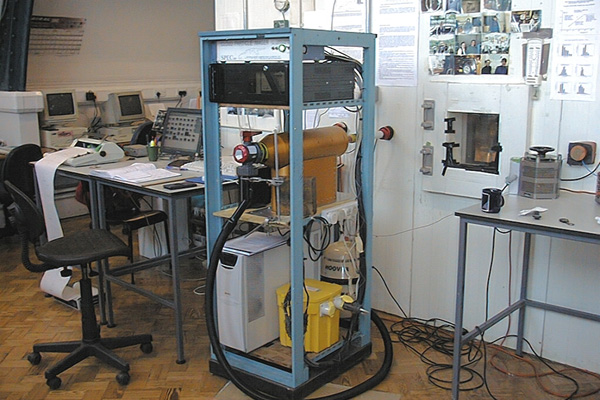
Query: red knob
(240, 153)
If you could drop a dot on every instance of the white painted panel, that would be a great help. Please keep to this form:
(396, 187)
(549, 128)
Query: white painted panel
(142, 41)
(393, 177)
(474, 98)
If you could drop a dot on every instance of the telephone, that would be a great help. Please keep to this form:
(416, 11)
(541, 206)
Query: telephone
(99, 152)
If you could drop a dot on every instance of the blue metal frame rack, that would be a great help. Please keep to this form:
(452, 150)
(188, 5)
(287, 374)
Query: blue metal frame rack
(299, 380)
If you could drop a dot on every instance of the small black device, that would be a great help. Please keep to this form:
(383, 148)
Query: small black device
(268, 83)
(159, 121)
(261, 190)
(180, 185)
(177, 163)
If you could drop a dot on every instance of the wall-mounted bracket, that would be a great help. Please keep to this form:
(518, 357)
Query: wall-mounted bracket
(428, 115)
(427, 162)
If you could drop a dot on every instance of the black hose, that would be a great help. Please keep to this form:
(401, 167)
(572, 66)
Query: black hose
(213, 335)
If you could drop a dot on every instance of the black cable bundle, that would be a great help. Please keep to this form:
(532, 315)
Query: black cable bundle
(438, 335)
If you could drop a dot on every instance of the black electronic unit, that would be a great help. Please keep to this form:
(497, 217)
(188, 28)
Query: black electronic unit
(261, 190)
(268, 83)
(328, 81)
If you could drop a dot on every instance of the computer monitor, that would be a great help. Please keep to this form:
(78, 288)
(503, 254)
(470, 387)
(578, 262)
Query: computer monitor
(182, 132)
(60, 106)
(123, 107)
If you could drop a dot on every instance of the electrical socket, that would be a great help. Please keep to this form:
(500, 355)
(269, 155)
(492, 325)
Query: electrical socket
(339, 213)
(90, 96)
(580, 153)
(182, 93)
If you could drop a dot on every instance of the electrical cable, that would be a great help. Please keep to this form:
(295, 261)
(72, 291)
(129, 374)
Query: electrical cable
(574, 394)
(332, 13)
(180, 101)
(95, 122)
(588, 168)
(390, 292)
(414, 229)
(4, 8)
(314, 252)
(578, 191)
(581, 177)
(537, 375)
(489, 277)
(440, 339)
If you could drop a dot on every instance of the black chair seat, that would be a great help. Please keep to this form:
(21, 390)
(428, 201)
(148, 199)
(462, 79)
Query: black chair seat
(82, 248)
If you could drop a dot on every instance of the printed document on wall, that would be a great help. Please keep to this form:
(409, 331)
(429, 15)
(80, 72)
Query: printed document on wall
(397, 27)
(576, 50)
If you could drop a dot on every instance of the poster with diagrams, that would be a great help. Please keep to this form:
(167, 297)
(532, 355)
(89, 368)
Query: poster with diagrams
(574, 70)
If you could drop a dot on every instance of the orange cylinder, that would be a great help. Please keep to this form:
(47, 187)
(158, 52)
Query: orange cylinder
(316, 143)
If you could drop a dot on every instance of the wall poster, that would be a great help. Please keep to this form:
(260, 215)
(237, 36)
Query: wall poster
(397, 26)
(472, 37)
(574, 71)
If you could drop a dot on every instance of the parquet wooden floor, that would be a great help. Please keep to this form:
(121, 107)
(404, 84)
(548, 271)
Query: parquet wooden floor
(27, 316)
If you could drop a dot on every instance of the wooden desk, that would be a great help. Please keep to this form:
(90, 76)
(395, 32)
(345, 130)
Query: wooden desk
(579, 209)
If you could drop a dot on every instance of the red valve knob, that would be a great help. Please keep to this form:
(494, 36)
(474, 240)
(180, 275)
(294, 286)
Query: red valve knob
(240, 153)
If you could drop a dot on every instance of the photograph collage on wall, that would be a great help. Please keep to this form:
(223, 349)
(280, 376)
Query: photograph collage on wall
(472, 37)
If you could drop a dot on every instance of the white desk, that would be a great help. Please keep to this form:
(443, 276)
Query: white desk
(108, 275)
(580, 209)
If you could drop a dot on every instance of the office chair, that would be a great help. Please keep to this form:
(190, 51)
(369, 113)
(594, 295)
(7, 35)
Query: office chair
(81, 248)
(16, 169)
(143, 133)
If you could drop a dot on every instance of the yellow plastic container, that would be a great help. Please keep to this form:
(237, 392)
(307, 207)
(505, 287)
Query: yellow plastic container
(323, 329)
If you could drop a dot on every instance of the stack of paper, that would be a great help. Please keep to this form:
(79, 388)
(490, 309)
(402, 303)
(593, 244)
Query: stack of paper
(135, 173)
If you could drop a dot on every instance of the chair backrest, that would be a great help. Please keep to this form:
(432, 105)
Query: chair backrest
(143, 133)
(28, 218)
(16, 168)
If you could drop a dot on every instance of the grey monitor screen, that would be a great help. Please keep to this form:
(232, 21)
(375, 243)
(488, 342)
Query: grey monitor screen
(182, 132)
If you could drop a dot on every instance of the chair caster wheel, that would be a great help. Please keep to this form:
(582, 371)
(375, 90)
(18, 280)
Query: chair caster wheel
(34, 358)
(123, 378)
(53, 383)
(146, 348)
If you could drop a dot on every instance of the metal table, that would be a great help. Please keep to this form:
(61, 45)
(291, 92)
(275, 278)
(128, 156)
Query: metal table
(579, 209)
(107, 275)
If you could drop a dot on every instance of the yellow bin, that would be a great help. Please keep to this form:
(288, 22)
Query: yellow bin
(323, 328)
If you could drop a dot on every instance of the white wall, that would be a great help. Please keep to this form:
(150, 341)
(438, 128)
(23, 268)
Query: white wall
(126, 44)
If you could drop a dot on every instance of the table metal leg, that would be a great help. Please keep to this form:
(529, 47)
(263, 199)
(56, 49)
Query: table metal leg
(523, 295)
(460, 298)
(109, 315)
(94, 211)
(174, 243)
